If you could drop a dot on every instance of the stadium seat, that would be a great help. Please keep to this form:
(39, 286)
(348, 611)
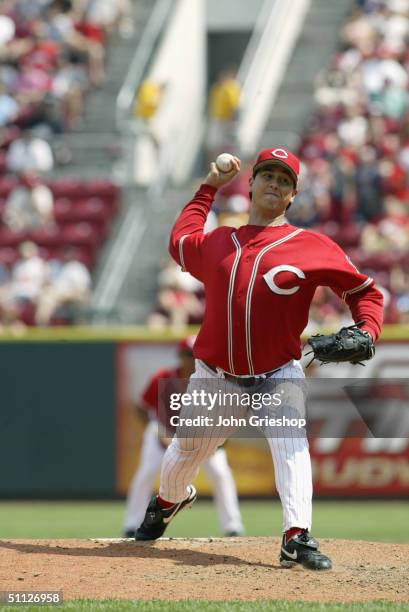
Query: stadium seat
(11, 239)
(8, 256)
(47, 238)
(7, 183)
(82, 235)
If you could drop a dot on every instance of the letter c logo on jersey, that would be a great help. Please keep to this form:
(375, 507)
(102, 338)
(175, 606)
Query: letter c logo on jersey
(269, 278)
(281, 153)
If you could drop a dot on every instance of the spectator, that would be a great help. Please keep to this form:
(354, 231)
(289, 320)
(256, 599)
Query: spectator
(148, 99)
(353, 129)
(9, 108)
(394, 27)
(334, 87)
(372, 241)
(59, 26)
(179, 303)
(110, 14)
(403, 157)
(32, 81)
(70, 84)
(67, 291)
(393, 100)
(29, 154)
(368, 186)
(224, 100)
(28, 276)
(400, 288)
(394, 226)
(7, 31)
(29, 205)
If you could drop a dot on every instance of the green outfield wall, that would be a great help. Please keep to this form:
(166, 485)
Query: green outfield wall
(57, 429)
(66, 425)
(58, 412)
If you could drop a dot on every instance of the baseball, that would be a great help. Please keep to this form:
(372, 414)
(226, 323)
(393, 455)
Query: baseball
(224, 162)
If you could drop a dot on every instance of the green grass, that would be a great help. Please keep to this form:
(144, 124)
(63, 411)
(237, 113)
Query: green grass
(377, 521)
(118, 605)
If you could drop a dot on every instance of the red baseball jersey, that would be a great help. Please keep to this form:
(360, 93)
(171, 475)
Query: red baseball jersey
(259, 283)
(160, 406)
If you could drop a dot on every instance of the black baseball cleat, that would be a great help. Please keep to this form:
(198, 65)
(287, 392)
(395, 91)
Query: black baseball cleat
(304, 549)
(157, 519)
(129, 533)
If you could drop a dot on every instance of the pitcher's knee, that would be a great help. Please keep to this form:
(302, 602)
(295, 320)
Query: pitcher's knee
(187, 447)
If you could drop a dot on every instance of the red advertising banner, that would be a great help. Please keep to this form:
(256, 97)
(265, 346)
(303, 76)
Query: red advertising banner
(370, 466)
(356, 467)
(342, 467)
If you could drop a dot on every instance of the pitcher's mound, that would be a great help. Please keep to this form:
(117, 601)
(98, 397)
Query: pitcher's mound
(202, 568)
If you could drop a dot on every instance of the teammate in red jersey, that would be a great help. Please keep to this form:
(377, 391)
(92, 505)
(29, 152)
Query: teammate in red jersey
(259, 281)
(156, 438)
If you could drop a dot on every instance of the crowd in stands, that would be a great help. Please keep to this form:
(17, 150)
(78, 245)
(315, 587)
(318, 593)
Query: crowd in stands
(50, 236)
(354, 184)
(355, 158)
(40, 292)
(356, 153)
(52, 54)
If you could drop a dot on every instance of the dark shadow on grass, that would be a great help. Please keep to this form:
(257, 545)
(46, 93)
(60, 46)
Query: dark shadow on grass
(147, 550)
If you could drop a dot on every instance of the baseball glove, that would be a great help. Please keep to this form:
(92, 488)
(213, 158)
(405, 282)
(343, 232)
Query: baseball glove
(348, 344)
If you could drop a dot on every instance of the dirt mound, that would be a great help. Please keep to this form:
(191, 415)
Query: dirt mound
(202, 568)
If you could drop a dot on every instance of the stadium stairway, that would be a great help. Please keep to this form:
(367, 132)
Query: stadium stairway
(138, 292)
(95, 143)
(295, 100)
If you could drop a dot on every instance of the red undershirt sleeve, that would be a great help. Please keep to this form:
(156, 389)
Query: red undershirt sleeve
(187, 237)
(356, 289)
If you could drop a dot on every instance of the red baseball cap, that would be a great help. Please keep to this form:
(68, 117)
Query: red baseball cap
(278, 156)
(186, 345)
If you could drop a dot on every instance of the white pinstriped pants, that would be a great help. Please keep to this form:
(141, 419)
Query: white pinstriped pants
(217, 471)
(290, 453)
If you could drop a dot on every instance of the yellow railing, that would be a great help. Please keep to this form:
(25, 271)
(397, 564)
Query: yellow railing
(135, 333)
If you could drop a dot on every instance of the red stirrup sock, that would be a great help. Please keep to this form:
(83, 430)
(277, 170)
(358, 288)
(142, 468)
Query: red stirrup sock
(290, 533)
(163, 503)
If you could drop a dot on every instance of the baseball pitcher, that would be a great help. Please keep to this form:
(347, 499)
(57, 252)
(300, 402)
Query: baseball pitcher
(259, 281)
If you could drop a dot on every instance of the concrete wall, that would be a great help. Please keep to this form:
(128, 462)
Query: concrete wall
(181, 63)
(232, 14)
